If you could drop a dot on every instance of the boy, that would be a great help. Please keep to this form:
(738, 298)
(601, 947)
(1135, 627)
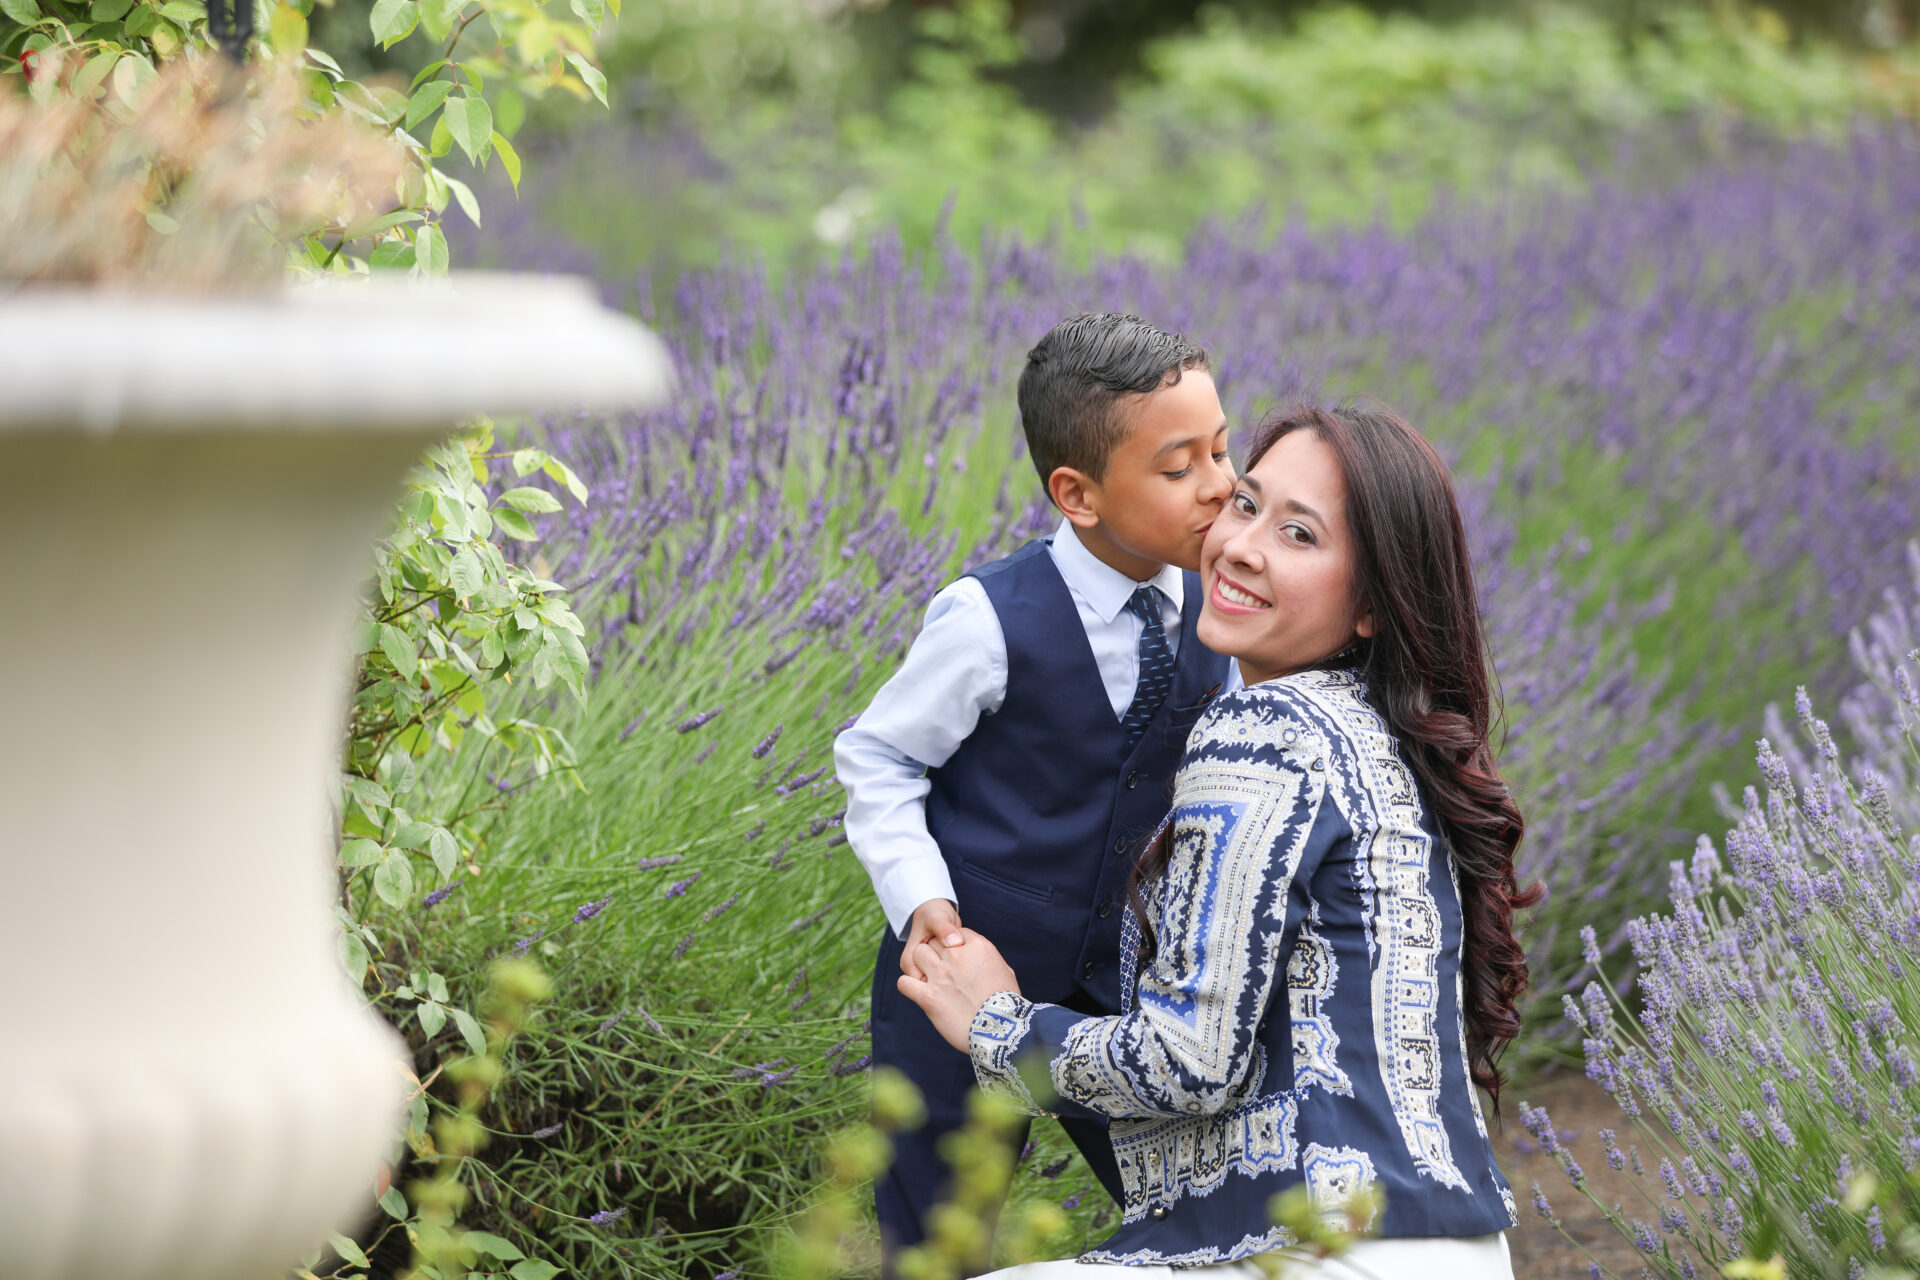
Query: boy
(1010, 770)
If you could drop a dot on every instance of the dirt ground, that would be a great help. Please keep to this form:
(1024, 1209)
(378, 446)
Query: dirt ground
(1579, 1110)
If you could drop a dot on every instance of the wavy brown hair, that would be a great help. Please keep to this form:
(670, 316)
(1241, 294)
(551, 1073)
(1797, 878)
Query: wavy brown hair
(1426, 671)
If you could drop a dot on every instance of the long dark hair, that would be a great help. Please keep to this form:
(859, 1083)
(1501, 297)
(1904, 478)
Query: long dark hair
(1426, 672)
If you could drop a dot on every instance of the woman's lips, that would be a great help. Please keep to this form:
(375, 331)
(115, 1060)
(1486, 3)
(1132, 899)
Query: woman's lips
(1240, 600)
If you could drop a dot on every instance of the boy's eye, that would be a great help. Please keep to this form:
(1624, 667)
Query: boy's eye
(1181, 474)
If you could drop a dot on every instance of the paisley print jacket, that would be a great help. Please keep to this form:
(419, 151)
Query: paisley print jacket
(1299, 1022)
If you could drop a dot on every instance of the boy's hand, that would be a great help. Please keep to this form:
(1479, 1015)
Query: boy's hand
(935, 920)
(958, 982)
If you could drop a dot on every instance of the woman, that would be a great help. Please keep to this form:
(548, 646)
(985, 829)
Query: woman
(1327, 965)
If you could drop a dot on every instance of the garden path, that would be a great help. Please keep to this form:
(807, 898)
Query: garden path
(1579, 1109)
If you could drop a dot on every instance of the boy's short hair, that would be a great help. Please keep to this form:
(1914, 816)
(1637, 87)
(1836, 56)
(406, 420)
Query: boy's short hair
(1075, 376)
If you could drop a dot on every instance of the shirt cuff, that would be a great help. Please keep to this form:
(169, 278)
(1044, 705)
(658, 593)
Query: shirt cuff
(909, 885)
(999, 1031)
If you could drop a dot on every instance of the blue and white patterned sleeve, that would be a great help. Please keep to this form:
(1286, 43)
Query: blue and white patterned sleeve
(1246, 823)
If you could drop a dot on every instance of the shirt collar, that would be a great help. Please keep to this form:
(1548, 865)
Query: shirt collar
(1102, 586)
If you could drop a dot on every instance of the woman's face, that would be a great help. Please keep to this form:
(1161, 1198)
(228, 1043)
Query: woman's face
(1278, 564)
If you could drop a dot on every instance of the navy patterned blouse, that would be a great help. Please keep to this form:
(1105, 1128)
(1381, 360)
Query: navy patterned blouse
(1300, 1021)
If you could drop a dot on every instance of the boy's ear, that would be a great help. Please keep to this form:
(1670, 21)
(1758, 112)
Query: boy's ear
(1074, 493)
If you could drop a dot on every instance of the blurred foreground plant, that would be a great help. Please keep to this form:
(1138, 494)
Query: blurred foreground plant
(193, 180)
(1774, 1068)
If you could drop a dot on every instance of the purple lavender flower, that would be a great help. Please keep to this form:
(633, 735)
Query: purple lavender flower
(680, 947)
(547, 1132)
(679, 887)
(520, 947)
(441, 894)
(715, 912)
(694, 722)
(607, 1217)
(1057, 1168)
(654, 864)
(1071, 1202)
(589, 910)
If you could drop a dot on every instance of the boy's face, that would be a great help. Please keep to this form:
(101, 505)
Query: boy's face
(1164, 484)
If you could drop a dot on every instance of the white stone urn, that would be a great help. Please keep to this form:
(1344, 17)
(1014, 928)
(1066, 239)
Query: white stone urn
(189, 1086)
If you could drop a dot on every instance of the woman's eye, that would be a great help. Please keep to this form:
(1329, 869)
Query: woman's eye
(1243, 504)
(1181, 474)
(1298, 534)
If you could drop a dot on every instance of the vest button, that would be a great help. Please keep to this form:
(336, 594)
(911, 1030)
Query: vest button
(1159, 1211)
(1087, 972)
(1133, 779)
(1119, 844)
(1106, 909)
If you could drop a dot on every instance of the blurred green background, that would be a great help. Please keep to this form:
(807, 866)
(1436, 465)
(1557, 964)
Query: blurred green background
(785, 127)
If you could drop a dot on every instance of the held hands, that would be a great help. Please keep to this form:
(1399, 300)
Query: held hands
(956, 981)
(936, 919)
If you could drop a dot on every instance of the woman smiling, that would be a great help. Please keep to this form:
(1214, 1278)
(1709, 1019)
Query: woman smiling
(1321, 963)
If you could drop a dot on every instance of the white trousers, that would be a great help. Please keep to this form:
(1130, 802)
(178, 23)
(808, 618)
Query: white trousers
(1399, 1258)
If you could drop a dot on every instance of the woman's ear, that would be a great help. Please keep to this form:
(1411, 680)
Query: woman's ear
(1074, 494)
(1363, 626)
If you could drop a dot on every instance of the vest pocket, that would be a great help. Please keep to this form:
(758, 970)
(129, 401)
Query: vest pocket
(1011, 886)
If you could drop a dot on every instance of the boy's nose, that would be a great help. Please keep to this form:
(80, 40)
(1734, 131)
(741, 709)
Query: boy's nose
(1218, 482)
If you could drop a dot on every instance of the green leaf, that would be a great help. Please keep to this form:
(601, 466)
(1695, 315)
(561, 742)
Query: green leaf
(465, 575)
(393, 20)
(353, 954)
(476, 1038)
(509, 158)
(348, 1250)
(514, 524)
(591, 12)
(183, 12)
(491, 1245)
(398, 647)
(426, 100)
(437, 987)
(528, 498)
(391, 255)
(24, 12)
(509, 111)
(413, 835)
(444, 851)
(87, 81)
(591, 76)
(327, 62)
(361, 853)
(109, 10)
(430, 251)
(287, 32)
(393, 880)
(464, 194)
(526, 460)
(432, 1015)
(371, 795)
(560, 471)
(394, 1203)
(534, 1269)
(426, 73)
(492, 649)
(470, 121)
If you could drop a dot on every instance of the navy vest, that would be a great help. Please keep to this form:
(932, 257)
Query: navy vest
(1043, 810)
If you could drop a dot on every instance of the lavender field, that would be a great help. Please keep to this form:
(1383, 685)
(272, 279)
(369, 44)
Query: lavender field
(1686, 423)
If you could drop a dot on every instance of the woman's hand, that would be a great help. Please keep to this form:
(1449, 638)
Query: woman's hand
(958, 981)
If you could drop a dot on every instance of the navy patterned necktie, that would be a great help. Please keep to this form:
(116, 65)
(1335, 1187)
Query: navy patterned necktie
(1156, 664)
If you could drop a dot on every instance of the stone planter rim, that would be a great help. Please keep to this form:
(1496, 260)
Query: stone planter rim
(359, 354)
